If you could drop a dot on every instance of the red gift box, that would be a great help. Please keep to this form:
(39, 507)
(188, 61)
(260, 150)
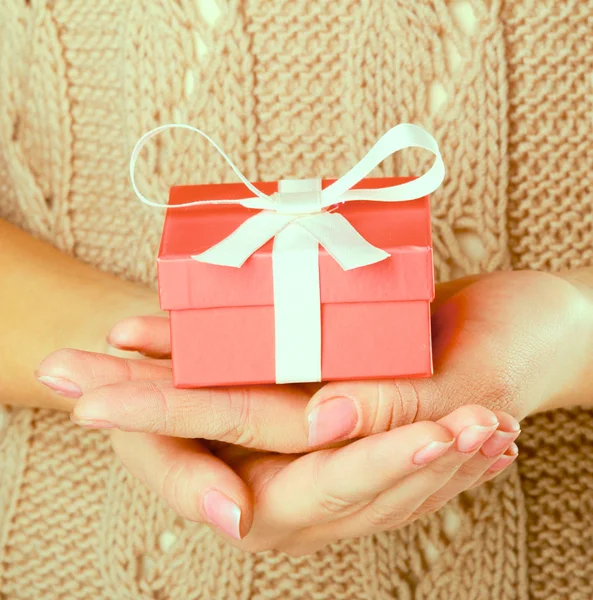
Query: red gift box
(375, 320)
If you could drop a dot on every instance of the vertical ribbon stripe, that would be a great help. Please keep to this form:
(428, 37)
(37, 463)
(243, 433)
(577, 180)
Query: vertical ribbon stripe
(297, 302)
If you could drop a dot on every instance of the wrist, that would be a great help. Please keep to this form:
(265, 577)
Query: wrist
(575, 359)
(111, 303)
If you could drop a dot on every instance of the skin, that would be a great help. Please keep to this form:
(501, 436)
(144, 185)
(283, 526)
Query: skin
(515, 343)
(49, 300)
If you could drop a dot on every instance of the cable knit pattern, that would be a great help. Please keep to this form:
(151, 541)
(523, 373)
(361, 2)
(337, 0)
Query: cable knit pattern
(295, 89)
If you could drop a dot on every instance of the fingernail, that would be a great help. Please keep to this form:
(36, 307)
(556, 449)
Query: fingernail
(515, 426)
(431, 452)
(502, 463)
(61, 386)
(498, 443)
(92, 423)
(471, 438)
(331, 421)
(223, 513)
(513, 450)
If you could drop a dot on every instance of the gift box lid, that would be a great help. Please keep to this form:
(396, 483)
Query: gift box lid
(401, 228)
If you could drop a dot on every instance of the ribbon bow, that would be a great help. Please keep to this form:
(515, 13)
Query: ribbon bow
(296, 217)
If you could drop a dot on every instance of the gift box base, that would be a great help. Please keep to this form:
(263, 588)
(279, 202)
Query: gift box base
(234, 346)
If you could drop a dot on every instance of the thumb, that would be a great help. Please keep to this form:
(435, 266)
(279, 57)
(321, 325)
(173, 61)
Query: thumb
(352, 409)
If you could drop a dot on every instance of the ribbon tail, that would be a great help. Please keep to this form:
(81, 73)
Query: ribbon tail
(250, 236)
(339, 238)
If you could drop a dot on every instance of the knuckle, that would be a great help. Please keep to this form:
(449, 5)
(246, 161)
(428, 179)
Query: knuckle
(396, 403)
(161, 420)
(472, 469)
(439, 469)
(331, 504)
(328, 502)
(406, 403)
(380, 516)
(236, 424)
(431, 506)
(174, 487)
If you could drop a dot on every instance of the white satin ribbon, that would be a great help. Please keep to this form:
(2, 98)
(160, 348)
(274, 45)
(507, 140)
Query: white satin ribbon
(296, 218)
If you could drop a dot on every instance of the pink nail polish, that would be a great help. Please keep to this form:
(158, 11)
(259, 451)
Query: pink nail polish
(223, 513)
(471, 438)
(431, 452)
(332, 421)
(61, 386)
(498, 443)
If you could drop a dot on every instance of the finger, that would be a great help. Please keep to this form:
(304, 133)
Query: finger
(505, 461)
(74, 372)
(333, 483)
(246, 416)
(138, 395)
(327, 484)
(352, 409)
(476, 466)
(195, 484)
(149, 335)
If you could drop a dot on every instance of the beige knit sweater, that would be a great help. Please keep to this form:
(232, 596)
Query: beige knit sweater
(295, 88)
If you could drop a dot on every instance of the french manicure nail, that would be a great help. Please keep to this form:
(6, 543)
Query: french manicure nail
(223, 513)
(471, 438)
(498, 443)
(61, 386)
(431, 452)
(92, 423)
(332, 421)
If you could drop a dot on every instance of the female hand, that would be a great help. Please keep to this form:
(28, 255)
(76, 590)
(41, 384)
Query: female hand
(530, 329)
(298, 504)
(518, 342)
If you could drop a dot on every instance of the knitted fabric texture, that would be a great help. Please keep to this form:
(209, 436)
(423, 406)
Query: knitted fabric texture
(295, 88)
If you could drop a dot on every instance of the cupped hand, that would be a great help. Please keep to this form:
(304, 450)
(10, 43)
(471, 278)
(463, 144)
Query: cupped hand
(300, 503)
(511, 340)
(516, 342)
